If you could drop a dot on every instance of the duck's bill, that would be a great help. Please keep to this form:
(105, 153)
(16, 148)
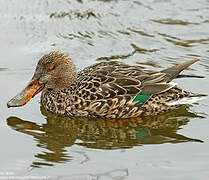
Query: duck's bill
(33, 88)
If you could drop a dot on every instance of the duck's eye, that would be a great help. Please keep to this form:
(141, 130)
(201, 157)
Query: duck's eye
(51, 68)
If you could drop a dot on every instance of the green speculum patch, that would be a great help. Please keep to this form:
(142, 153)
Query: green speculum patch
(141, 98)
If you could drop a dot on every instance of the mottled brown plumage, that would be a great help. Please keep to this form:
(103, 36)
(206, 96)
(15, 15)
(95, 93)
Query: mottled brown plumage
(107, 89)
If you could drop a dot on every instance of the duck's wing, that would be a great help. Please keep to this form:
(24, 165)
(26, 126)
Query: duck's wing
(109, 79)
(174, 71)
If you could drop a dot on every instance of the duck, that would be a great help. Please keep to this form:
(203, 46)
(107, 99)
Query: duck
(109, 89)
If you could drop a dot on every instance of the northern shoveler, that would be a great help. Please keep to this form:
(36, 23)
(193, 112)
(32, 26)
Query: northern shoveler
(107, 89)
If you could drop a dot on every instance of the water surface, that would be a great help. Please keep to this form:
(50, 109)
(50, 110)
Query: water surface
(154, 34)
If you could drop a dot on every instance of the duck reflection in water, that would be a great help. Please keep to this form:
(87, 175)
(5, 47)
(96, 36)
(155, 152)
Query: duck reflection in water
(61, 132)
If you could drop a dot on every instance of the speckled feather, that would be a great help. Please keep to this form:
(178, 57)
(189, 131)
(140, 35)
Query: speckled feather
(108, 89)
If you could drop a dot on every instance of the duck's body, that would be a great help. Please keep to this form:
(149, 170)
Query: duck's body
(107, 89)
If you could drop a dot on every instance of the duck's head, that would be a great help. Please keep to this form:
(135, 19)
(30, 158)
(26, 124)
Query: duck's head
(54, 71)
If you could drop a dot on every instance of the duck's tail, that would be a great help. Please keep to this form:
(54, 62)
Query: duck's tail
(189, 99)
(174, 71)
